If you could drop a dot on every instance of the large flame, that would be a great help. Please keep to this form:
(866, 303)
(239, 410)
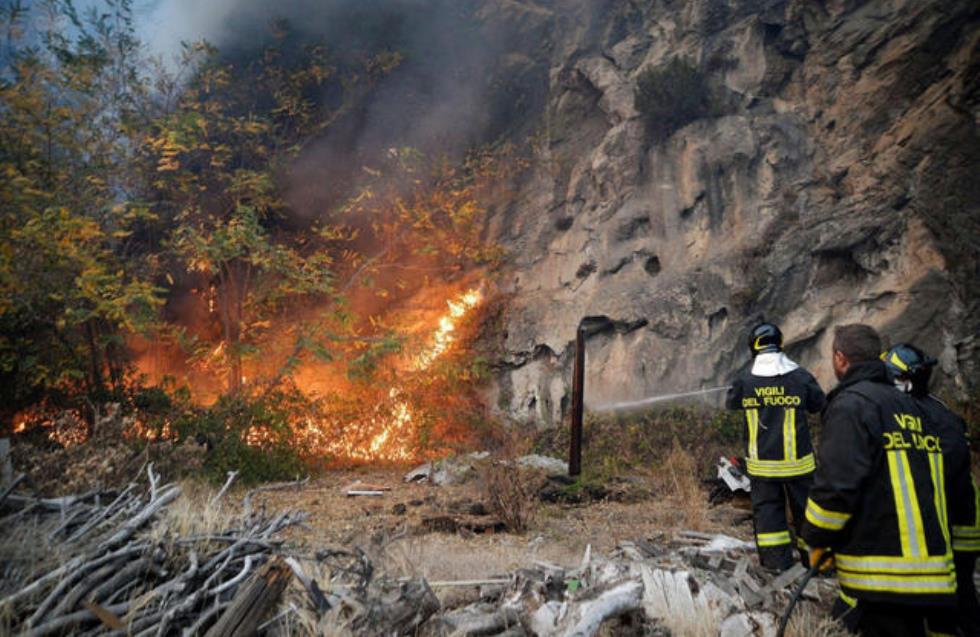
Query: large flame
(387, 432)
(396, 429)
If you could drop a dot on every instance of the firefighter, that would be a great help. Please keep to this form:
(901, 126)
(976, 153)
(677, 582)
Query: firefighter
(775, 395)
(877, 499)
(910, 369)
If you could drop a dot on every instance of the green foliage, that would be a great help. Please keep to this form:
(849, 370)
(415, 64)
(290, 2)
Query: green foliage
(672, 96)
(70, 283)
(226, 427)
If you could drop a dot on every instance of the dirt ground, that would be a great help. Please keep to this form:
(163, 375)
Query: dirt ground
(409, 528)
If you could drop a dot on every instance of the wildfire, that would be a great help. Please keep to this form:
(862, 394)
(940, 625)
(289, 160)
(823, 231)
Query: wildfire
(67, 428)
(396, 429)
(385, 433)
(443, 336)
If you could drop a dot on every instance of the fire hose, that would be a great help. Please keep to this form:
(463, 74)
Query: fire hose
(816, 568)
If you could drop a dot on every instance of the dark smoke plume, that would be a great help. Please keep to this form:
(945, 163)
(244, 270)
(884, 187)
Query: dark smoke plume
(445, 96)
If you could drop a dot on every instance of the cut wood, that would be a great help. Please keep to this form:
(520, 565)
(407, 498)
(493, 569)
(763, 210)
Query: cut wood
(254, 601)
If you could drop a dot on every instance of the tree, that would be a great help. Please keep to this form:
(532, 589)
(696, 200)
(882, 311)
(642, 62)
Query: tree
(215, 159)
(70, 286)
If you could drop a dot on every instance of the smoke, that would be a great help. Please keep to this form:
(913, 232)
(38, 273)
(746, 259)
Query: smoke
(445, 97)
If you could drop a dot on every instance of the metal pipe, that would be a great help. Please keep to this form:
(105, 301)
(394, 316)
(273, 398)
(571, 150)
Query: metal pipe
(578, 402)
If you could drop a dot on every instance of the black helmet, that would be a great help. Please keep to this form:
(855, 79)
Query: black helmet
(765, 337)
(908, 362)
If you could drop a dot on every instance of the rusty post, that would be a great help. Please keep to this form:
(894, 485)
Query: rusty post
(578, 399)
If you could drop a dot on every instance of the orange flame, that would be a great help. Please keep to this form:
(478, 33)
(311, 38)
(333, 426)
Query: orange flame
(384, 434)
(397, 429)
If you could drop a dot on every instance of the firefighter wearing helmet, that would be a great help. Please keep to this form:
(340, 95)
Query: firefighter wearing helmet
(910, 369)
(775, 395)
(878, 500)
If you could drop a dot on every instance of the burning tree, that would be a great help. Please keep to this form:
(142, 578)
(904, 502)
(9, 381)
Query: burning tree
(216, 158)
(216, 164)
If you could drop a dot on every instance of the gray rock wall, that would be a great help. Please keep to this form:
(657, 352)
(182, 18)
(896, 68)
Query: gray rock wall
(837, 182)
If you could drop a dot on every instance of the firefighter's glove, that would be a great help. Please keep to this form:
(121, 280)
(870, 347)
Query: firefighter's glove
(822, 558)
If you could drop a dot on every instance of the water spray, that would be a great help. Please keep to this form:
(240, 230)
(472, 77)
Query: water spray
(652, 400)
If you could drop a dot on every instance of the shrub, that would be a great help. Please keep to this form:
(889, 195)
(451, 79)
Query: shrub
(251, 435)
(671, 96)
(511, 494)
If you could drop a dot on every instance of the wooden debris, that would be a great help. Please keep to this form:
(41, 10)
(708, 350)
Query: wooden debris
(119, 581)
(125, 572)
(462, 523)
(254, 601)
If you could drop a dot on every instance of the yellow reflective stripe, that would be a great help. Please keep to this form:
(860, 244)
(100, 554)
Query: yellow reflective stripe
(825, 518)
(898, 362)
(789, 434)
(939, 492)
(895, 564)
(966, 532)
(909, 584)
(752, 417)
(847, 599)
(932, 633)
(919, 526)
(781, 468)
(976, 503)
(906, 504)
(777, 538)
(968, 546)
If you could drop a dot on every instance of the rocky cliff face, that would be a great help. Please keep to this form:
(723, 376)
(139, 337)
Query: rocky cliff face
(839, 182)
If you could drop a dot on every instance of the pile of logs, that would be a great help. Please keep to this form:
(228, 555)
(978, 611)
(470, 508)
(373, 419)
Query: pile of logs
(110, 563)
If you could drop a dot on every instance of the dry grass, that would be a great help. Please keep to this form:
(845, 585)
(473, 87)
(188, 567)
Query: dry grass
(810, 620)
(195, 514)
(680, 486)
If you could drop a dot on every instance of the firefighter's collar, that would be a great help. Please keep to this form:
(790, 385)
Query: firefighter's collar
(772, 364)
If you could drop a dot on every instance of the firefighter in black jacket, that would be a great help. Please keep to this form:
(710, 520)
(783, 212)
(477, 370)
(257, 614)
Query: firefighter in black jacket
(878, 498)
(775, 396)
(910, 369)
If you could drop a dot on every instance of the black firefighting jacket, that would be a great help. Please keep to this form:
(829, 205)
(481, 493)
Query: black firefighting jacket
(878, 497)
(962, 496)
(775, 407)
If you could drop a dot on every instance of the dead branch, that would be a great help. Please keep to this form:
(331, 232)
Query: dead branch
(139, 520)
(59, 625)
(13, 485)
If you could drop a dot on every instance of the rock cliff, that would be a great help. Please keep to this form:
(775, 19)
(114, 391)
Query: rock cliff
(835, 181)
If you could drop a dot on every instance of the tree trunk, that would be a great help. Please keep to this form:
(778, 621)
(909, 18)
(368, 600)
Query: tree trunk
(230, 304)
(96, 383)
